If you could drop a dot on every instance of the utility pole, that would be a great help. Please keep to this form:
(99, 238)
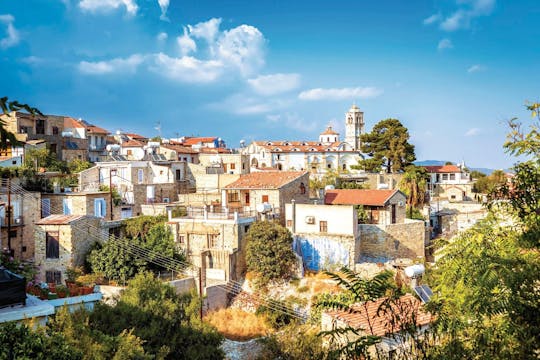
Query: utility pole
(8, 212)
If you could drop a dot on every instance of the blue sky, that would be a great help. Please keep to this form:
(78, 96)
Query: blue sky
(451, 70)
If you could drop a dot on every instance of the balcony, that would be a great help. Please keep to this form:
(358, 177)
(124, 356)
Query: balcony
(218, 213)
(15, 221)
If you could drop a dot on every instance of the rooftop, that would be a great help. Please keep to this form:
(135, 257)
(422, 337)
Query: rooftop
(329, 131)
(59, 219)
(132, 143)
(368, 316)
(265, 180)
(358, 197)
(197, 140)
(443, 169)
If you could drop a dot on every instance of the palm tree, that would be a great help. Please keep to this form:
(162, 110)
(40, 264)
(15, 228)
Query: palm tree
(8, 138)
(414, 185)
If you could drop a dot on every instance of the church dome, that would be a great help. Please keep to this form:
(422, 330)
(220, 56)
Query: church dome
(329, 131)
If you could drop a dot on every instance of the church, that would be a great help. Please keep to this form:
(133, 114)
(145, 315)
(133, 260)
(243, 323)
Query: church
(317, 157)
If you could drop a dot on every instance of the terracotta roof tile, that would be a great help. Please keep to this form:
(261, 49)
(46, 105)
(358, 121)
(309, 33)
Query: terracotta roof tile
(71, 123)
(299, 146)
(59, 219)
(135, 136)
(180, 149)
(367, 316)
(96, 130)
(329, 131)
(196, 140)
(443, 169)
(265, 180)
(132, 143)
(358, 197)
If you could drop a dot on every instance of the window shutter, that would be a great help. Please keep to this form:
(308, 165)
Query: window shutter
(103, 208)
(66, 203)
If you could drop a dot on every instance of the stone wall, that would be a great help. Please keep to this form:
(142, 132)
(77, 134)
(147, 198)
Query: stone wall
(216, 298)
(22, 239)
(184, 285)
(381, 243)
(75, 240)
(199, 199)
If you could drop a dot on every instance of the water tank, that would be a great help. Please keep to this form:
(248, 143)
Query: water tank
(153, 144)
(264, 207)
(415, 271)
(113, 147)
(329, 187)
(67, 133)
(382, 186)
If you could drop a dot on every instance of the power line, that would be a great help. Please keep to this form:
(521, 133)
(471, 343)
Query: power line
(232, 287)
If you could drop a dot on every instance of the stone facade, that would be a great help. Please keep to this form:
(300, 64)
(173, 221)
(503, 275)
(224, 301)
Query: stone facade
(214, 242)
(80, 203)
(385, 242)
(230, 163)
(25, 213)
(75, 234)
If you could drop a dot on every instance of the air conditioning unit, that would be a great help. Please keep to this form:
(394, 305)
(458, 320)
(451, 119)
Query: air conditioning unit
(310, 219)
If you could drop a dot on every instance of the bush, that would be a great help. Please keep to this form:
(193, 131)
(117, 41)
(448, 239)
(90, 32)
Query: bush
(239, 325)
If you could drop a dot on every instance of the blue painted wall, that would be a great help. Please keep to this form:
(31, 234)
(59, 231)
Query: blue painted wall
(320, 252)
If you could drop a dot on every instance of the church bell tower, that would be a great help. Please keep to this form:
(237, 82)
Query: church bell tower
(354, 127)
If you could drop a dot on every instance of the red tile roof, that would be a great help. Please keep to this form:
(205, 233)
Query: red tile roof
(443, 169)
(358, 197)
(59, 219)
(71, 123)
(196, 140)
(368, 318)
(329, 131)
(132, 143)
(299, 146)
(180, 149)
(215, 150)
(265, 180)
(135, 136)
(96, 130)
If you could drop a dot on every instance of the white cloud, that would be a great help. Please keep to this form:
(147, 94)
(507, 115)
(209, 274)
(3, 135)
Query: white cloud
(186, 43)
(476, 68)
(163, 5)
(117, 65)
(242, 47)
(207, 30)
(187, 68)
(162, 36)
(292, 121)
(472, 132)
(12, 35)
(274, 83)
(340, 94)
(108, 5)
(461, 18)
(433, 18)
(445, 44)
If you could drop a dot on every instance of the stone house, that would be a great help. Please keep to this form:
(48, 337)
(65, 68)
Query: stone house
(179, 153)
(62, 241)
(449, 181)
(274, 188)
(382, 207)
(95, 137)
(92, 203)
(19, 234)
(228, 163)
(368, 319)
(132, 149)
(138, 182)
(214, 240)
(325, 236)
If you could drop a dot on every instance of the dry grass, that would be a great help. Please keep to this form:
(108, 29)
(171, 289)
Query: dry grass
(236, 324)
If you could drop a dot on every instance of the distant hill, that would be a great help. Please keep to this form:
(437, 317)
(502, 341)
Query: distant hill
(486, 171)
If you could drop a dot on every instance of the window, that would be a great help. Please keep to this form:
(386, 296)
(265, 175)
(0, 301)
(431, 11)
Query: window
(100, 208)
(452, 176)
(181, 239)
(445, 176)
(140, 176)
(329, 166)
(213, 240)
(53, 148)
(178, 175)
(67, 206)
(45, 207)
(233, 166)
(344, 167)
(129, 152)
(55, 130)
(323, 226)
(246, 228)
(52, 245)
(53, 276)
(40, 127)
(233, 197)
(264, 198)
(289, 223)
(302, 188)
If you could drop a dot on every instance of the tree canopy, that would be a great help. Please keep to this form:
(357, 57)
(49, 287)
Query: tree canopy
(387, 147)
(269, 251)
(414, 184)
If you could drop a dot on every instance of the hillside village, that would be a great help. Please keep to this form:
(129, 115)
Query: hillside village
(73, 191)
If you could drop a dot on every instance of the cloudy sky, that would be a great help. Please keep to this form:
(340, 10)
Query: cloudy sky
(453, 71)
